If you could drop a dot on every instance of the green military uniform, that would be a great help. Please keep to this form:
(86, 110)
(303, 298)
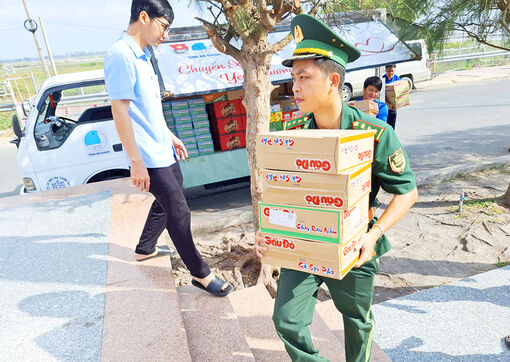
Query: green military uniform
(352, 296)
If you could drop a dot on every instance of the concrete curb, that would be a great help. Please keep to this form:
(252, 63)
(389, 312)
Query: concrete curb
(448, 172)
(210, 222)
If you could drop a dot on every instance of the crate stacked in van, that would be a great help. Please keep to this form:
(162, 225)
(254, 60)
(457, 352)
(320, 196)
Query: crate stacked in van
(201, 128)
(187, 118)
(314, 206)
(228, 120)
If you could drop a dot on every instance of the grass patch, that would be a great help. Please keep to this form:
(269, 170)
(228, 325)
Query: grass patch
(458, 176)
(501, 264)
(475, 205)
(6, 120)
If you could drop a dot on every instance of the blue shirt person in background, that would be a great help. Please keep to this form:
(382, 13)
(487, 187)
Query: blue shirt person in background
(151, 147)
(391, 77)
(371, 91)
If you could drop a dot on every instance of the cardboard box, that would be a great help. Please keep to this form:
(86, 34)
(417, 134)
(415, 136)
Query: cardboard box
(180, 112)
(229, 125)
(201, 124)
(232, 141)
(314, 257)
(217, 97)
(397, 95)
(340, 191)
(227, 108)
(192, 102)
(290, 115)
(328, 225)
(366, 106)
(320, 151)
(182, 120)
(237, 94)
(179, 104)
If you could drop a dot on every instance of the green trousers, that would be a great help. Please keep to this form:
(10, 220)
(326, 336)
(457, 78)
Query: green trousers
(295, 305)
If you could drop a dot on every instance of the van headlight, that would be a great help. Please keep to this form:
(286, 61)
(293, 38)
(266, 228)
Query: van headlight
(29, 184)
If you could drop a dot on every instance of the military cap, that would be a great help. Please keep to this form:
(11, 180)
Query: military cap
(314, 39)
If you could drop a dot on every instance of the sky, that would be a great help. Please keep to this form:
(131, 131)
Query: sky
(73, 25)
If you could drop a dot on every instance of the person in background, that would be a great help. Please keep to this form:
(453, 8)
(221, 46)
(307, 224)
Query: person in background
(371, 91)
(152, 149)
(391, 77)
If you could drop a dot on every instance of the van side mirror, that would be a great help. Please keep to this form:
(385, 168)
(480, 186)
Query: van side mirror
(26, 106)
(16, 127)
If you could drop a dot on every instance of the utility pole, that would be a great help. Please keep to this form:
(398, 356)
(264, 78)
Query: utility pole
(31, 26)
(50, 55)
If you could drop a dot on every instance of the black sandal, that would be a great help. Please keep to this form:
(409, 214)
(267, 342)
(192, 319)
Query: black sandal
(214, 287)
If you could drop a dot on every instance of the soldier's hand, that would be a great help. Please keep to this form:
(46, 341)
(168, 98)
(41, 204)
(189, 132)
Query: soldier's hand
(260, 248)
(366, 245)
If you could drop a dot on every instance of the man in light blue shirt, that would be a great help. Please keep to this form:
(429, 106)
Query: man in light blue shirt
(150, 146)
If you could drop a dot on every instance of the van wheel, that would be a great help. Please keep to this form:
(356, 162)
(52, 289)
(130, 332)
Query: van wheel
(346, 92)
(408, 80)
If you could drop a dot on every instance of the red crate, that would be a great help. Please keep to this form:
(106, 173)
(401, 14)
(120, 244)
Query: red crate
(232, 141)
(227, 108)
(230, 125)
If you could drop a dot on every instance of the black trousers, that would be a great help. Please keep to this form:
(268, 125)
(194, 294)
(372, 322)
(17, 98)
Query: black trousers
(392, 118)
(170, 210)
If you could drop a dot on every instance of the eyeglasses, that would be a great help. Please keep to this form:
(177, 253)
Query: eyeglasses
(166, 26)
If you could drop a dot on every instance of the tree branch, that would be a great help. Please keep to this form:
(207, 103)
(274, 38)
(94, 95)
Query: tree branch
(218, 42)
(478, 38)
(265, 16)
(279, 45)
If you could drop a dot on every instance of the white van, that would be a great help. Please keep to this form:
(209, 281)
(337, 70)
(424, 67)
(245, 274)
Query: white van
(69, 137)
(411, 71)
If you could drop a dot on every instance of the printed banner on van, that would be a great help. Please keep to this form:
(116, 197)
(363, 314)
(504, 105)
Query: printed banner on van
(196, 67)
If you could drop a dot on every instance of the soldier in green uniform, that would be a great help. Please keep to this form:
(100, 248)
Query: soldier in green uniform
(318, 69)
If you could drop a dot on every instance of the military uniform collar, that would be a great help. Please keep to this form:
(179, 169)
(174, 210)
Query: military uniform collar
(346, 120)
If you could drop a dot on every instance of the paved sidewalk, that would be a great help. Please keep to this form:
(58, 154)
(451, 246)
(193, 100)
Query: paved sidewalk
(462, 321)
(478, 74)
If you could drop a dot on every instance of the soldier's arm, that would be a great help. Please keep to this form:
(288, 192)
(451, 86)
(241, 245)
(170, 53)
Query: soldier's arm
(396, 209)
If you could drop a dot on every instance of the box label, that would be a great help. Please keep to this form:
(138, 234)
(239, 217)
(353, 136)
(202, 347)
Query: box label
(282, 218)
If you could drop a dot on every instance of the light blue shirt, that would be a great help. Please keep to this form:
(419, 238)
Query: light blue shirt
(129, 75)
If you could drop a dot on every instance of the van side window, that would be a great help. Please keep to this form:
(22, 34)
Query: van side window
(64, 109)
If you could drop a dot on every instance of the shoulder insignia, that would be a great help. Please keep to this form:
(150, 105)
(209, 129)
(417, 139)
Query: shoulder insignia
(365, 126)
(297, 122)
(397, 161)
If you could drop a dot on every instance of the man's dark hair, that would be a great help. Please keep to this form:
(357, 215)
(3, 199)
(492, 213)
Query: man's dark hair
(391, 66)
(375, 81)
(329, 66)
(154, 8)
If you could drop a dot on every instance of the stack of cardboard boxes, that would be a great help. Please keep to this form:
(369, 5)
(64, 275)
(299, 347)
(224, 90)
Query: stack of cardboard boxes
(314, 204)
(188, 120)
(366, 106)
(228, 120)
(397, 95)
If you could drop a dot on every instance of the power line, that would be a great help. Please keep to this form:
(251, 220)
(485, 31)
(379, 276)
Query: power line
(83, 26)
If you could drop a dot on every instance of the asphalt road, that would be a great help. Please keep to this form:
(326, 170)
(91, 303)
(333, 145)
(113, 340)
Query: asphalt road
(460, 124)
(442, 127)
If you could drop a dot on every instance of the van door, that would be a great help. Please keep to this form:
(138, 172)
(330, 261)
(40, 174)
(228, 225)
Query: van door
(74, 138)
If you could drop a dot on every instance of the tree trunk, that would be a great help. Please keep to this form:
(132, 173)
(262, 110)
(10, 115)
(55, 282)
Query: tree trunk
(258, 88)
